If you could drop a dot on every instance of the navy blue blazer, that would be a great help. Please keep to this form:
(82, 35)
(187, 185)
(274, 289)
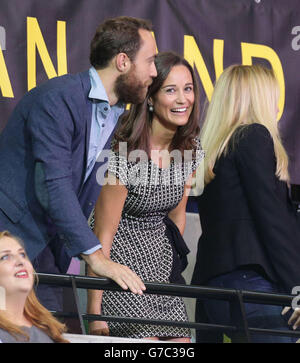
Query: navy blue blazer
(246, 214)
(43, 161)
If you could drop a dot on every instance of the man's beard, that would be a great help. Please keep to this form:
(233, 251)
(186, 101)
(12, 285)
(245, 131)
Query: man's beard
(129, 89)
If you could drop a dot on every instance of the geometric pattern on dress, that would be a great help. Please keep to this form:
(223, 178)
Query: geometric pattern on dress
(141, 244)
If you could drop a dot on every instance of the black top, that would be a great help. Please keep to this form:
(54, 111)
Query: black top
(247, 216)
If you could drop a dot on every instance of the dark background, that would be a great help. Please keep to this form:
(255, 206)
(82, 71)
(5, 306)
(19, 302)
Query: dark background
(267, 22)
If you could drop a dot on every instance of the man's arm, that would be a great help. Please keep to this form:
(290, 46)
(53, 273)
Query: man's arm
(52, 127)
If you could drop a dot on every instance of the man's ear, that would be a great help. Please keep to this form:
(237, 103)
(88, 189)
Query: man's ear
(123, 63)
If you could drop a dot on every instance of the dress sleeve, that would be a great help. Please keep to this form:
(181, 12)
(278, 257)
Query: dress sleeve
(196, 169)
(199, 155)
(118, 165)
(193, 161)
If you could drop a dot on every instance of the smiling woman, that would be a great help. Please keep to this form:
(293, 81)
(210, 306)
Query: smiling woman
(23, 318)
(140, 219)
(175, 100)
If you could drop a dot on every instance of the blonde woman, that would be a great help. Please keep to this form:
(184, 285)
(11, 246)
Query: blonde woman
(22, 317)
(250, 234)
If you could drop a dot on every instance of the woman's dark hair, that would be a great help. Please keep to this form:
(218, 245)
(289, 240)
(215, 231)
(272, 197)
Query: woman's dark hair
(135, 125)
(117, 35)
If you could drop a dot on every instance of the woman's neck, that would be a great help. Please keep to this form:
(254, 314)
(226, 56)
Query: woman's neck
(160, 140)
(161, 136)
(15, 311)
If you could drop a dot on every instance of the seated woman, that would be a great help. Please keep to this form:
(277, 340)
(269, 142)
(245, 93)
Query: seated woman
(250, 233)
(22, 317)
(150, 184)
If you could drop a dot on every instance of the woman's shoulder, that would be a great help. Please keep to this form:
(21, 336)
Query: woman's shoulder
(36, 335)
(251, 136)
(197, 142)
(253, 131)
(196, 155)
(198, 147)
(6, 337)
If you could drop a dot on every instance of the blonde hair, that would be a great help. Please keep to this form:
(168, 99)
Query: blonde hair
(34, 312)
(243, 95)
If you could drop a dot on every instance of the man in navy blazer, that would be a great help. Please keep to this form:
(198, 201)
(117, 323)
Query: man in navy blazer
(50, 145)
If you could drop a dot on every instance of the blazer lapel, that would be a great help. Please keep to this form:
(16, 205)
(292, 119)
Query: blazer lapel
(86, 83)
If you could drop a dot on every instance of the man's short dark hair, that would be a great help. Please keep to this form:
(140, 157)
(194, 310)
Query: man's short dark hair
(117, 35)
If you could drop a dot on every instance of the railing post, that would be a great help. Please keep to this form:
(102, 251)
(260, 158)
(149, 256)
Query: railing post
(76, 300)
(238, 314)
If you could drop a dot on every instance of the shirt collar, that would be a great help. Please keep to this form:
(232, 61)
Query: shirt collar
(97, 91)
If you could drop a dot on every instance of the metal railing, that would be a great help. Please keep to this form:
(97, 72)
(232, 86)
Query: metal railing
(235, 297)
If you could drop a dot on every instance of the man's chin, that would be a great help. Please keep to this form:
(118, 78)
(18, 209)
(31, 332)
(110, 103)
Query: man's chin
(139, 98)
(134, 95)
(143, 94)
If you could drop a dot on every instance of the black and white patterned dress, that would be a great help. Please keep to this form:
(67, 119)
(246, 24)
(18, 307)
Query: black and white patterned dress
(141, 243)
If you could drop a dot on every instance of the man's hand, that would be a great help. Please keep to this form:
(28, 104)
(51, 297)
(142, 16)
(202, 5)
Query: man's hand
(122, 275)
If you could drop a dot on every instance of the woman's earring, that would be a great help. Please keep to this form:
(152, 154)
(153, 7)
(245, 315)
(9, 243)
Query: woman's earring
(150, 107)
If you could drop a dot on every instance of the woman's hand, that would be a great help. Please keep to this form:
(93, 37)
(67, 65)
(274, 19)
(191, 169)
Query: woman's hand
(295, 317)
(98, 328)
